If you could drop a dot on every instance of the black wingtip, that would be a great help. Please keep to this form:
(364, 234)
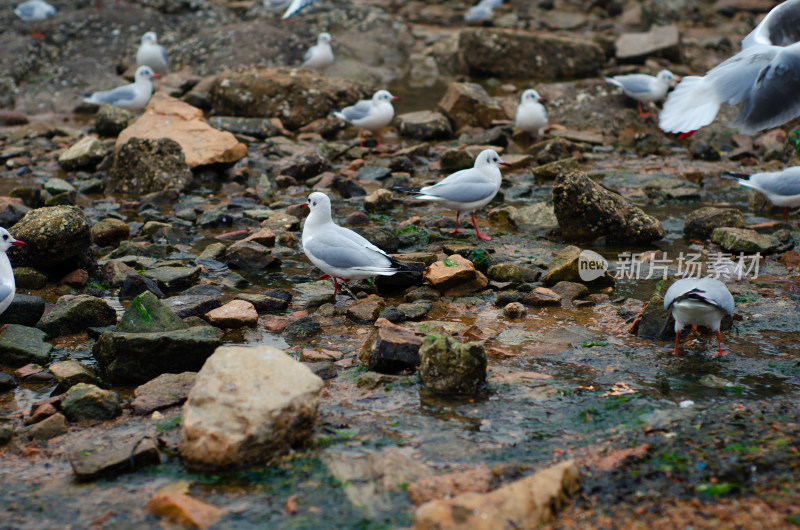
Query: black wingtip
(404, 190)
(733, 174)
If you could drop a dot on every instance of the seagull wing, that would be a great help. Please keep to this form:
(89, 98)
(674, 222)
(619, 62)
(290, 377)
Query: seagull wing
(5, 291)
(784, 183)
(296, 6)
(116, 96)
(781, 26)
(338, 251)
(635, 83)
(358, 111)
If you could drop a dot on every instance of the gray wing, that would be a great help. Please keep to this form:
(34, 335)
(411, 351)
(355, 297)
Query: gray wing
(116, 96)
(357, 111)
(733, 80)
(5, 290)
(25, 10)
(635, 83)
(343, 253)
(781, 26)
(478, 13)
(463, 186)
(164, 55)
(308, 54)
(296, 6)
(707, 289)
(786, 182)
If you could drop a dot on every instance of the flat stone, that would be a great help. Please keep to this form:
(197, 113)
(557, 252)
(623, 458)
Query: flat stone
(367, 310)
(85, 402)
(188, 305)
(109, 456)
(455, 276)
(302, 329)
(569, 291)
(85, 154)
(69, 373)
(268, 301)
(316, 293)
(50, 427)
(24, 310)
(256, 127)
(701, 223)
(511, 272)
(744, 240)
(424, 125)
(20, 345)
(541, 297)
(166, 390)
(76, 313)
(566, 267)
(250, 255)
(390, 349)
(574, 335)
(234, 314)
(146, 314)
(659, 41)
(174, 279)
(447, 486)
(539, 218)
(184, 510)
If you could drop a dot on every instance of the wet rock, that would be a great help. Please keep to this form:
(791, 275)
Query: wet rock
(33, 373)
(235, 314)
(256, 127)
(520, 54)
(656, 322)
(569, 291)
(7, 382)
(701, 223)
(135, 284)
(24, 310)
(146, 313)
(302, 329)
(539, 218)
(477, 480)
(140, 357)
(186, 305)
(85, 154)
(468, 105)
(773, 145)
(367, 310)
(174, 279)
(566, 266)
(69, 373)
(29, 278)
(511, 272)
(415, 310)
(57, 238)
(302, 166)
(541, 297)
(6, 433)
(246, 404)
(166, 390)
(249, 255)
(390, 349)
(109, 456)
(12, 210)
(183, 510)
(425, 292)
(316, 293)
(586, 211)
(73, 314)
(526, 503)
(50, 427)
(111, 120)
(77, 278)
(455, 276)
(144, 165)
(378, 201)
(384, 239)
(393, 315)
(450, 367)
(659, 41)
(455, 160)
(514, 310)
(11, 117)
(85, 402)
(744, 240)
(114, 272)
(56, 185)
(268, 301)
(424, 125)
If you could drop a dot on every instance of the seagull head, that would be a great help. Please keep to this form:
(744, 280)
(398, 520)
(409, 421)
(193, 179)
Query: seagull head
(531, 95)
(324, 38)
(150, 38)
(7, 241)
(383, 95)
(320, 206)
(665, 76)
(488, 158)
(145, 73)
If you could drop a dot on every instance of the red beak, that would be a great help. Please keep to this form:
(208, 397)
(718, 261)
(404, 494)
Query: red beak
(156, 76)
(19, 243)
(305, 204)
(395, 98)
(506, 164)
(542, 100)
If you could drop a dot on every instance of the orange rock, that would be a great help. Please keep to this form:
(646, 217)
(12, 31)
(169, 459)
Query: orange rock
(76, 278)
(445, 486)
(235, 314)
(184, 509)
(455, 276)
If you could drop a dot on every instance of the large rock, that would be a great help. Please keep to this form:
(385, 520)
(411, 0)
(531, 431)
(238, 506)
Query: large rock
(143, 165)
(659, 41)
(57, 238)
(450, 367)
(108, 456)
(110, 120)
(86, 153)
(587, 211)
(455, 276)
(202, 145)
(76, 313)
(566, 266)
(296, 97)
(24, 310)
(744, 240)
(147, 314)
(174, 279)
(20, 345)
(424, 125)
(69, 373)
(656, 322)
(246, 404)
(538, 218)
(701, 223)
(524, 55)
(390, 349)
(166, 390)
(234, 314)
(86, 402)
(468, 105)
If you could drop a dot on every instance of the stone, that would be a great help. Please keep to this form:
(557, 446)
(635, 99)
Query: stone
(77, 278)
(658, 41)
(33, 373)
(455, 276)
(415, 310)
(69, 373)
(184, 510)
(191, 305)
(744, 240)
(701, 223)
(316, 293)
(302, 329)
(29, 278)
(302, 166)
(143, 165)
(251, 256)
(511, 272)
(541, 297)
(656, 322)
(585, 211)
(424, 125)
(390, 349)
(366, 311)
(427, 489)
(539, 218)
(380, 200)
(54, 186)
(12, 210)
(50, 427)
(57, 238)
(7, 382)
(146, 313)
(234, 314)
(514, 310)
(75, 313)
(110, 120)
(85, 154)
(24, 310)
(468, 105)
(450, 367)
(165, 391)
(569, 291)
(85, 402)
(135, 284)
(111, 455)
(140, 357)
(530, 502)
(504, 53)
(246, 405)
(566, 267)
(6, 433)
(256, 127)
(173, 279)
(268, 301)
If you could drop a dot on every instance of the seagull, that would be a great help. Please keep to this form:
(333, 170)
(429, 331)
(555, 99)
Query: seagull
(7, 285)
(296, 6)
(320, 56)
(698, 302)
(151, 53)
(762, 77)
(132, 97)
(482, 11)
(34, 11)
(531, 116)
(782, 188)
(369, 114)
(643, 87)
(466, 190)
(341, 253)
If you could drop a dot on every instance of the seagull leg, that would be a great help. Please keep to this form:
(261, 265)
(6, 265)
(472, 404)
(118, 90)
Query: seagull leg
(344, 286)
(684, 136)
(456, 231)
(694, 330)
(335, 286)
(677, 337)
(641, 112)
(35, 34)
(378, 138)
(324, 276)
(4, 326)
(478, 232)
(719, 343)
(651, 111)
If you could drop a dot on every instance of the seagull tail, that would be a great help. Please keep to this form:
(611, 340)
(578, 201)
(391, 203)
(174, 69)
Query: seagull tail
(406, 190)
(340, 116)
(405, 267)
(612, 81)
(693, 104)
(734, 175)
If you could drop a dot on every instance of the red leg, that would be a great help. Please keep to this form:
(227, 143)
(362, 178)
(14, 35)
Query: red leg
(641, 112)
(651, 111)
(719, 343)
(694, 330)
(36, 34)
(684, 136)
(478, 232)
(335, 286)
(378, 138)
(4, 326)
(677, 337)
(456, 231)
(324, 276)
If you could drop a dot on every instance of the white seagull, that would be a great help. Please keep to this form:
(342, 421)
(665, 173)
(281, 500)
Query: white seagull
(782, 188)
(531, 116)
(320, 56)
(34, 11)
(466, 190)
(369, 114)
(482, 11)
(698, 302)
(7, 285)
(341, 253)
(296, 6)
(132, 97)
(643, 87)
(152, 54)
(762, 77)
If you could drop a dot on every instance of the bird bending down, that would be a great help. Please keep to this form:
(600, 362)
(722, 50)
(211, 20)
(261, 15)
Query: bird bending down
(698, 302)
(643, 87)
(7, 285)
(762, 77)
(132, 97)
(34, 11)
(340, 253)
(152, 54)
(466, 190)
(369, 114)
(319, 56)
(782, 188)
(531, 116)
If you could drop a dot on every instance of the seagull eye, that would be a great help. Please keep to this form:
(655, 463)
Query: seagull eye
(5, 236)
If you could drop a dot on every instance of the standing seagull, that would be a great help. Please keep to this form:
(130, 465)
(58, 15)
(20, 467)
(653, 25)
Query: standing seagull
(132, 97)
(152, 54)
(466, 190)
(341, 253)
(531, 116)
(320, 56)
(698, 302)
(643, 87)
(762, 77)
(782, 188)
(7, 285)
(369, 114)
(34, 11)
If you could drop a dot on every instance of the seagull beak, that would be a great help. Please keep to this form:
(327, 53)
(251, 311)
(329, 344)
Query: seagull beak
(505, 164)
(395, 98)
(542, 100)
(156, 76)
(304, 205)
(18, 243)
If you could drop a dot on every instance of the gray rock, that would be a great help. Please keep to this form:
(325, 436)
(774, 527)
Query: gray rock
(166, 390)
(56, 185)
(86, 402)
(24, 310)
(173, 279)
(302, 329)
(656, 323)
(424, 125)
(7, 382)
(468, 105)
(73, 314)
(744, 240)
(109, 456)
(565, 267)
(57, 239)
(69, 373)
(144, 166)
(268, 301)
(85, 154)
(390, 349)
(569, 291)
(659, 41)
(455, 160)
(366, 310)
(135, 284)
(539, 218)
(6, 433)
(542, 297)
(20, 345)
(110, 120)
(251, 256)
(413, 311)
(316, 293)
(110, 232)
(574, 335)
(48, 428)
(147, 314)
(511, 272)
(450, 367)
(302, 166)
(29, 278)
(11, 212)
(256, 127)
(701, 223)
(187, 305)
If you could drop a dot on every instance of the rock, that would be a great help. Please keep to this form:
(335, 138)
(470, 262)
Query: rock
(455, 276)
(514, 310)
(541, 297)
(302, 166)
(183, 510)
(744, 240)
(140, 357)
(773, 145)
(86, 402)
(12, 210)
(29, 278)
(511, 272)
(569, 291)
(256, 127)
(316, 293)
(11, 117)
(390, 349)
(455, 160)
(477, 480)
(75, 313)
(69, 373)
(507, 54)
(56, 185)
(108, 456)
(57, 238)
(247, 404)
(656, 322)
(379, 200)
(701, 223)
(166, 390)
(251, 256)
(77, 278)
(85, 154)
(143, 165)
(526, 503)
(50, 427)
(302, 329)
(135, 284)
(187, 305)
(468, 105)
(146, 314)
(110, 120)
(235, 314)
(20, 345)
(539, 218)
(659, 41)
(367, 310)
(415, 310)
(566, 266)
(6, 433)
(586, 211)
(424, 125)
(7, 382)
(24, 310)
(174, 279)
(450, 367)
(268, 301)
